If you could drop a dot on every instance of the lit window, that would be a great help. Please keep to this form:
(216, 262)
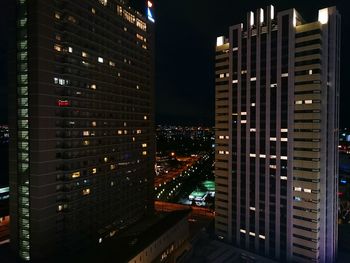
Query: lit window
(104, 2)
(252, 234)
(227, 137)
(299, 102)
(138, 131)
(284, 158)
(119, 10)
(120, 132)
(72, 19)
(284, 178)
(307, 191)
(144, 145)
(140, 24)
(252, 155)
(222, 75)
(58, 37)
(125, 29)
(221, 137)
(93, 10)
(262, 236)
(144, 153)
(221, 152)
(272, 166)
(93, 86)
(137, 87)
(70, 49)
(100, 59)
(242, 231)
(86, 142)
(253, 104)
(252, 208)
(57, 15)
(75, 174)
(284, 139)
(105, 159)
(86, 133)
(133, 139)
(57, 48)
(227, 152)
(94, 170)
(84, 54)
(297, 198)
(310, 71)
(253, 130)
(111, 63)
(112, 166)
(145, 117)
(60, 208)
(86, 191)
(297, 189)
(93, 124)
(308, 101)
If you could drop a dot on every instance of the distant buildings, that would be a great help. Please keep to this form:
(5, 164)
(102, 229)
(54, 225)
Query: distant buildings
(82, 123)
(277, 93)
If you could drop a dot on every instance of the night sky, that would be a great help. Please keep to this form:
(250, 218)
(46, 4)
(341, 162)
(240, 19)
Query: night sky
(186, 32)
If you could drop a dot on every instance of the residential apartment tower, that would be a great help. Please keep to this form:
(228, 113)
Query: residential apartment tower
(277, 118)
(81, 124)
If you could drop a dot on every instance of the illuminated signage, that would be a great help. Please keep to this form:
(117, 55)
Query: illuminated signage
(150, 11)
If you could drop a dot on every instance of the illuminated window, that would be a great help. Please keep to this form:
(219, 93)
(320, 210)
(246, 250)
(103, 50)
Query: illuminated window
(140, 24)
(299, 102)
(57, 48)
(86, 133)
(144, 153)
(137, 87)
(128, 16)
(222, 75)
(70, 49)
(138, 131)
(111, 63)
(308, 101)
(72, 19)
(60, 208)
(86, 191)
(221, 152)
(100, 59)
(75, 174)
(93, 86)
(120, 132)
(145, 117)
(125, 131)
(93, 10)
(119, 10)
(104, 2)
(93, 124)
(84, 54)
(221, 137)
(310, 71)
(297, 189)
(112, 166)
(57, 15)
(86, 143)
(94, 170)
(133, 139)
(284, 178)
(307, 191)
(105, 159)
(144, 145)
(58, 37)
(227, 137)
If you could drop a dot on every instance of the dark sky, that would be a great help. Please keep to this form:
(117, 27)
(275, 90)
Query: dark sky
(186, 32)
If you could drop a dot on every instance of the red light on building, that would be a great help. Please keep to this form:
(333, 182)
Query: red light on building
(63, 103)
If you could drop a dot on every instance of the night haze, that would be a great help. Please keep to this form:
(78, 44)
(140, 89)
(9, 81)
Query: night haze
(185, 41)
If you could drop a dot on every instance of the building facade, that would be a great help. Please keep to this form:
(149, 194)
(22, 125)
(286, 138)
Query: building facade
(81, 124)
(277, 119)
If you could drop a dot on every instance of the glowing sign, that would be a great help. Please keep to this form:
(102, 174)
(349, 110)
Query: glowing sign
(150, 11)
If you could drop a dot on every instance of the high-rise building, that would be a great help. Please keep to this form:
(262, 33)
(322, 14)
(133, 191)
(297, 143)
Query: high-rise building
(82, 123)
(277, 93)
